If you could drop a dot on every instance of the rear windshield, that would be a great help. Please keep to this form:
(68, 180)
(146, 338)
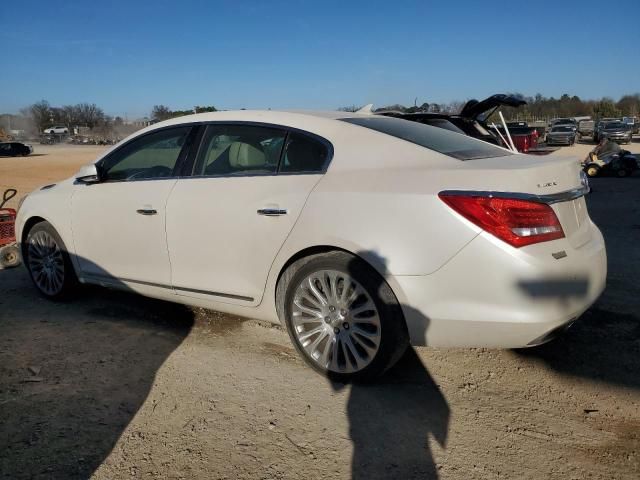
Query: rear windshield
(443, 141)
(562, 129)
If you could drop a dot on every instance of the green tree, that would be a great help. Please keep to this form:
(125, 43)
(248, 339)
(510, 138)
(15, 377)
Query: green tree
(605, 108)
(160, 112)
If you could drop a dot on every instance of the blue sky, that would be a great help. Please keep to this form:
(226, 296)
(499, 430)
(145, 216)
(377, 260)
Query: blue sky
(127, 56)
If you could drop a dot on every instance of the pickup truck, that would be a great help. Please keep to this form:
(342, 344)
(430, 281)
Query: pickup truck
(525, 138)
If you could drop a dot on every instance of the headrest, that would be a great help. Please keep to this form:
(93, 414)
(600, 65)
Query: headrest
(243, 155)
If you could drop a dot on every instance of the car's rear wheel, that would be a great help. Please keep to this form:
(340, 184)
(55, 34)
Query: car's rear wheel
(342, 316)
(48, 262)
(622, 172)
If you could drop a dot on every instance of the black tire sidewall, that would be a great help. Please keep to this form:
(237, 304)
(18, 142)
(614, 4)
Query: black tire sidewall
(394, 337)
(70, 281)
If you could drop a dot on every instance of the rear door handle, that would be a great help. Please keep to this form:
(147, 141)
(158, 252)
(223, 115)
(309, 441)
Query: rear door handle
(146, 211)
(272, 212)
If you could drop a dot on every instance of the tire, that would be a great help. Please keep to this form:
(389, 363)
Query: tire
(621, 173)
(48, 262)
(592, 171)
(346, 348)
(9, 256)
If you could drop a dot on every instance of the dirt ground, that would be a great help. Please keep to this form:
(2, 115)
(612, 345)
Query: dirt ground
(112, 385)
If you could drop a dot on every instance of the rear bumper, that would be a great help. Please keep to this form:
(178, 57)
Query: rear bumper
(492, 295)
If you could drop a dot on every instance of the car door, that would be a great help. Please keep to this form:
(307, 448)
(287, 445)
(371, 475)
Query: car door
(5, 149)
(226, 223)
(119, 223)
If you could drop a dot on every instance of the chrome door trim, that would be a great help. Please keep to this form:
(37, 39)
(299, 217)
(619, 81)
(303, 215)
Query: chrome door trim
(118, 282)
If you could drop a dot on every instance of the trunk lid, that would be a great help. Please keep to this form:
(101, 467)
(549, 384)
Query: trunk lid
(548, 178)
(475, 109)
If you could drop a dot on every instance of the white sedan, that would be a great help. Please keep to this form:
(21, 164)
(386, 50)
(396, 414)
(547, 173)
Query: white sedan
(60, 130)
(361, 234)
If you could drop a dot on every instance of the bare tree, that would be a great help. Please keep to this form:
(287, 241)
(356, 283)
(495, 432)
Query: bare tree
(70, 115)
(41, 114)
(90, 114)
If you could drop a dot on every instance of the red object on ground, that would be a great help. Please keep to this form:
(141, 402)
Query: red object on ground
(7, 226)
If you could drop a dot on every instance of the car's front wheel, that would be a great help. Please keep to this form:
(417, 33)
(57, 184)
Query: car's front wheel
(48, 262)
(342, 316)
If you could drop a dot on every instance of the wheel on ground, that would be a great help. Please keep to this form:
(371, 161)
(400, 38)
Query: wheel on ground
(622, 172)
(48, 262)
(9, 256)
(592, 171)
(342, 316)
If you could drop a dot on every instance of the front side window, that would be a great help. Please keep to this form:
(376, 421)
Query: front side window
(304, 154)
(239, 150)
(151, 156)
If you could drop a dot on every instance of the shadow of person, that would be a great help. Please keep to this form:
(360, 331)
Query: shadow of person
(392, 419)
(73, 375)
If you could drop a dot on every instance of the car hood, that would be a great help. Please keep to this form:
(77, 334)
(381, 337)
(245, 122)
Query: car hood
(473, 108)
(616, 132)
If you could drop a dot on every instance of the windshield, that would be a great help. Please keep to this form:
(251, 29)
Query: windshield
(562, 129)
(614, 126)
(443, 141)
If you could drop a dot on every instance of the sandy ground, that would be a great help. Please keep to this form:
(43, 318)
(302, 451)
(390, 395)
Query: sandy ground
(113, 385)
(47, 164)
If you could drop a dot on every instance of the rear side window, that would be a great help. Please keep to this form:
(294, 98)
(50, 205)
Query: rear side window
(304, 154)
(239, 150)
(443, 141)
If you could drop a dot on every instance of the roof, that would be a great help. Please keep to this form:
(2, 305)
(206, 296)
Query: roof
(304, 119)
(268, 116)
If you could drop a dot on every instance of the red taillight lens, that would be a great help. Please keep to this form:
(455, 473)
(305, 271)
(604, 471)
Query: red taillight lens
(517, 222)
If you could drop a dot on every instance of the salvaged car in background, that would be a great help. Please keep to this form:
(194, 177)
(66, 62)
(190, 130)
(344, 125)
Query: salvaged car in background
(634, 124)
(585, 129)
(617, 131)
(561, 135)
(472, 121)
(564, 121)
(608, 158)
(59, 130)
(15, 149)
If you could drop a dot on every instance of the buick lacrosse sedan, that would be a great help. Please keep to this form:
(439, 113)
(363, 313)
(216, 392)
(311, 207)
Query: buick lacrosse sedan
(361, 234)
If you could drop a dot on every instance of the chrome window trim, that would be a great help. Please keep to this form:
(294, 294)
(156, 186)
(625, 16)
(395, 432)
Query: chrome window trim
(275, 126)
(549, 199)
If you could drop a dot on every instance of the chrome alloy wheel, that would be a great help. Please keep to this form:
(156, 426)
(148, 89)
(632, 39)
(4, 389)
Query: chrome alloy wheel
(335, 321)
(45, 262)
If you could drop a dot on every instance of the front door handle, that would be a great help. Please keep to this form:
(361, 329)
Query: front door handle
(272, 212)
(146, 211)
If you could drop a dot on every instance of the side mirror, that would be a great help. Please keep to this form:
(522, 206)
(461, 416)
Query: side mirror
(88, 174)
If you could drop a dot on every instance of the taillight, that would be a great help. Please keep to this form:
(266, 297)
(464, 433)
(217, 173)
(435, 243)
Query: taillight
(517, 222)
